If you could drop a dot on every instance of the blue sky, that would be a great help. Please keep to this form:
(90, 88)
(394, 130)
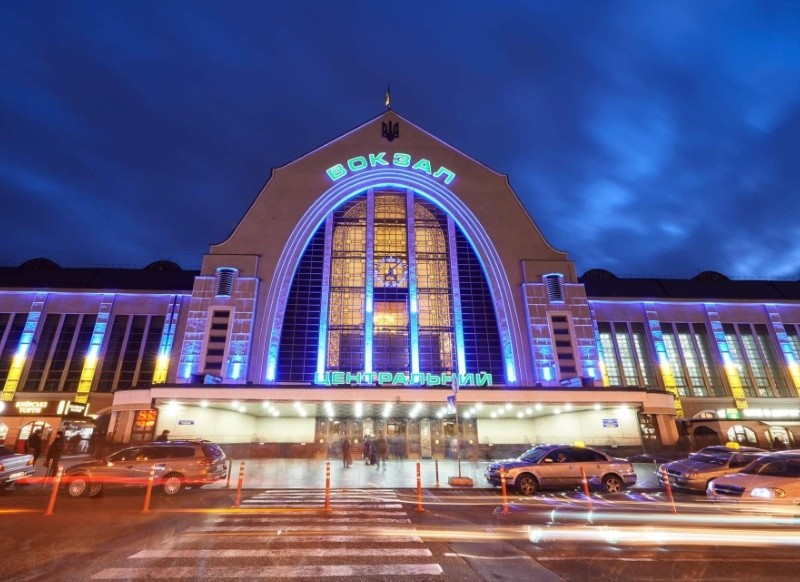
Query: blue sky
(646, 138)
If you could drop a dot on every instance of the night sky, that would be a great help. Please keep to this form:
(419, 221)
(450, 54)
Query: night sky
(646, 138)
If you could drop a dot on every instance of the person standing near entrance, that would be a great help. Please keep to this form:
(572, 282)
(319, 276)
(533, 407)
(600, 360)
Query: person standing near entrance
(382, 448)
(347, 459)
(34, 445)
(163, 437)
(54, 453)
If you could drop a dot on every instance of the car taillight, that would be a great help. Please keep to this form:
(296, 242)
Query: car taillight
(2, 468)
(30, 462)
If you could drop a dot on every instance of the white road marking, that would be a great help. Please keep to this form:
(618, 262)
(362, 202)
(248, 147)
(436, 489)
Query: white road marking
(317, 527)
(292, 537)
(305, 552)
(356, 520)
(370, 571)
(318, 504)
(336, 518)
(362, 513)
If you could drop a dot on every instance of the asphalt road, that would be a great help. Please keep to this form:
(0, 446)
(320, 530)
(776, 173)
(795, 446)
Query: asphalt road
(380, 534)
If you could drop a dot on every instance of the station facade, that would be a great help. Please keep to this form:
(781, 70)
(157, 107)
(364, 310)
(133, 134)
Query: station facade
(387, 284)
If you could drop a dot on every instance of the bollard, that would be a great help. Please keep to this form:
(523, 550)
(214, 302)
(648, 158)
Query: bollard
(230, 468)
(239, 487)
(56, 485)
(585, 484)
(328, 486)
(419, 488)
(668, 487)
(504, 490)
(149, 492)
(436, 464)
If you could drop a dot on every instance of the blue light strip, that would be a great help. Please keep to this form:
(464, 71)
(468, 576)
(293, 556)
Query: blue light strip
(369, 316)
(168, 335)
(411, 235)
(787, 347)
(25, 341)
(323, 308)
(456, 288)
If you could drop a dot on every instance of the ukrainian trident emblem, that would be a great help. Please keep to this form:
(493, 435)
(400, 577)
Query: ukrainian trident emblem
(390, 130)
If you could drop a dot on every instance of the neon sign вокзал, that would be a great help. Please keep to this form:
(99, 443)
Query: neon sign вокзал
(399, 160)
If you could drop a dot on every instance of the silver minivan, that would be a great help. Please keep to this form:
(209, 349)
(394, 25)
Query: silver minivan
(177, 464)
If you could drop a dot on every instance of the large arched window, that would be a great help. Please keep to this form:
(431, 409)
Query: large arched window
(389, 284)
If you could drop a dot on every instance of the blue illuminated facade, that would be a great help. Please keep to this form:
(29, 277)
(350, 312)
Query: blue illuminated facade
(364, 277)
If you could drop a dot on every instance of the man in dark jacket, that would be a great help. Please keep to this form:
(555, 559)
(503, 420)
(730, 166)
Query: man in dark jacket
(54, 454)
(381, 448)
(34, 445)
(347, 460)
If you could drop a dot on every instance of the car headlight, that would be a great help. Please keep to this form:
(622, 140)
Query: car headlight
(768, 493)
(691, 474)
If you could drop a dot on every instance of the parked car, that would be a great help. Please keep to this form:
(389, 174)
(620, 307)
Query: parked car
(772, 478)
(178, 464)
(14, 466)
(695, 472)
(559, 467)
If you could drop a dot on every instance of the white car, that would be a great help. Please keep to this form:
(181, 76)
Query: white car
(773, 478)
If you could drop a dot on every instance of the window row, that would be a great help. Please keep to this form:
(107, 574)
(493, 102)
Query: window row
(695, 358)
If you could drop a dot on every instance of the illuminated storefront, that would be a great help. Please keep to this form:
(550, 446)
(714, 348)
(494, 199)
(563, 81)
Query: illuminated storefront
(367, 279)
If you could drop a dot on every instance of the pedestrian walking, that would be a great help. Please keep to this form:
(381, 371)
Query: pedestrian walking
(73, 443)
(347, 459)
(34, 445)
(366, 447)
(381, 449)
(54, 452)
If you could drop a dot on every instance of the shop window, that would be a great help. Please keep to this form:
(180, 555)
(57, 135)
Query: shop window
(144, 425)
(742, 434)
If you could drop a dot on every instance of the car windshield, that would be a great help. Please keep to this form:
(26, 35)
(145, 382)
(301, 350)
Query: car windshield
(711, 459)
(535, 454)
(772, 467)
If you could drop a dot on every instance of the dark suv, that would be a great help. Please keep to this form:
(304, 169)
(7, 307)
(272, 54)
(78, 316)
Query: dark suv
(177, 464)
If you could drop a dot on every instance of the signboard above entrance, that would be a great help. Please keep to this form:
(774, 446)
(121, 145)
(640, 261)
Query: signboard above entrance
(402, 379)
(47, 408)
(399, 160)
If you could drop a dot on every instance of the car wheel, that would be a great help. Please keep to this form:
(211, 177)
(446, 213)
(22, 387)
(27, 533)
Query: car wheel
(95, 489)
(78, 486)
(612, 484)
(172, 484)
(527, 484)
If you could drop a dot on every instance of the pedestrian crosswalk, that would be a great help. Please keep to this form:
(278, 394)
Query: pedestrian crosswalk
(365, 534)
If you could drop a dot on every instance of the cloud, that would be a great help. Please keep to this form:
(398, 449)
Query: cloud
(643, 137)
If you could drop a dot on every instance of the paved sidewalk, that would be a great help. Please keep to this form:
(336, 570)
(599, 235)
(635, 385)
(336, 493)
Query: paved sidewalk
(395, 474)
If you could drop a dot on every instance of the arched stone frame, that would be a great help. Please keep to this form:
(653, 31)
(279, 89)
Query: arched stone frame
(511, 335)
